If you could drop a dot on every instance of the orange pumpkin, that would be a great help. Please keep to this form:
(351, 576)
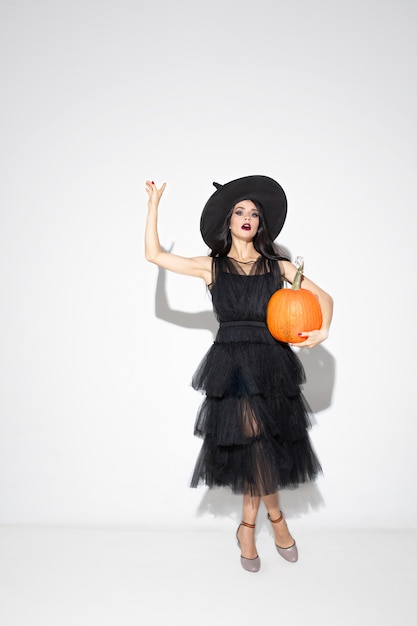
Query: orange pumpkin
(293, 311)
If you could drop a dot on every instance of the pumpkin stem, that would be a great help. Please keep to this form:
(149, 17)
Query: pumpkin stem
(300, 269)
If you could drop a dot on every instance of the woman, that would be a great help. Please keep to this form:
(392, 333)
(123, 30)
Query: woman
(253, 420)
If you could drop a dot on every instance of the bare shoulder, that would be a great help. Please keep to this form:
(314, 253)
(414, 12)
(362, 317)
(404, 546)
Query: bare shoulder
(288, 270)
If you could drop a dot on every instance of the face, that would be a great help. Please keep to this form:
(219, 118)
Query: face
(244, 221)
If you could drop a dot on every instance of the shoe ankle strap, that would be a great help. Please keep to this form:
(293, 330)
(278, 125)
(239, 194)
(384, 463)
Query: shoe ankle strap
(275, 521)
(248, 525)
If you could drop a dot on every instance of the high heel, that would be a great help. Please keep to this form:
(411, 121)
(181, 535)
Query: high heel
(250, 565)
(289, 554)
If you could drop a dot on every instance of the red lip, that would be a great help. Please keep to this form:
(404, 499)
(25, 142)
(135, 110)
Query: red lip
(246, 227)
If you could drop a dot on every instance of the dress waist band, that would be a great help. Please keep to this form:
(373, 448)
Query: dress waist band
(243, 323)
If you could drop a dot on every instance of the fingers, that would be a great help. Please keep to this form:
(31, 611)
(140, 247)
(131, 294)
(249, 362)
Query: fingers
(312, 339)
(303, 344)
(151, 187)
(307, 343)
(148, 187)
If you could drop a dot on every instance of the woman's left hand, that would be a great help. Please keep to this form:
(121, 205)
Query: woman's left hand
(314, 337)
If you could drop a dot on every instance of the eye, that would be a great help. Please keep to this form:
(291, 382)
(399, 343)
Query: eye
(255, 214)
(238, 212)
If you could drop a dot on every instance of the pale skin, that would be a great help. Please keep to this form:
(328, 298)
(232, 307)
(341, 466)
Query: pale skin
(243, 227)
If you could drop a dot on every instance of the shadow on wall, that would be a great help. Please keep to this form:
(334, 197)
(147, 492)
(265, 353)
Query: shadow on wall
(203, 319)
(320, 369)
(319, 366)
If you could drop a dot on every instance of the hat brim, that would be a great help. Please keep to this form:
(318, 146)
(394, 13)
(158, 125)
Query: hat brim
(263, 189)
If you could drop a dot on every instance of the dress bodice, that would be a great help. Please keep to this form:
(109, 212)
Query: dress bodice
(240, 292)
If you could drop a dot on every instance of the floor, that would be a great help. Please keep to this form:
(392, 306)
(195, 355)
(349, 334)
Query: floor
(84, 577)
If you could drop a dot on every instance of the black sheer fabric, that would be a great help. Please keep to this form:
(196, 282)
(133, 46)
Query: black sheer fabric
(254, 418)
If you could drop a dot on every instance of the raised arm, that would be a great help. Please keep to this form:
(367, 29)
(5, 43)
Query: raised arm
(194, 266)
(314, 337)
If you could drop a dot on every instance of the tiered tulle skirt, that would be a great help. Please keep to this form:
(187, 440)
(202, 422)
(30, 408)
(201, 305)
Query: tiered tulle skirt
(254, 420)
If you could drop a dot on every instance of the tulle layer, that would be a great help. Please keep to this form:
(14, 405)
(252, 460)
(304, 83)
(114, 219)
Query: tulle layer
(248, 367)
(237, 420)
(260, 468)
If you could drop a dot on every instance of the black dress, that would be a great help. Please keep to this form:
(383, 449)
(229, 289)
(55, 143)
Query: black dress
(254, 419)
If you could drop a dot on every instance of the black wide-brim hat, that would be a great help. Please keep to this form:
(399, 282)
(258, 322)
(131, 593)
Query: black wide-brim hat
(262, 189)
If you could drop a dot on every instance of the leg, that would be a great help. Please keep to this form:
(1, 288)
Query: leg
(246, 535)
(282, 534)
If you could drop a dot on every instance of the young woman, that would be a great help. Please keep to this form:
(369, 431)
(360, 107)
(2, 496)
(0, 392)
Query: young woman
(253, 419)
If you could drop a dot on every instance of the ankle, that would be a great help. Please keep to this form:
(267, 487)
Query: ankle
(275, 516)
(248, 524)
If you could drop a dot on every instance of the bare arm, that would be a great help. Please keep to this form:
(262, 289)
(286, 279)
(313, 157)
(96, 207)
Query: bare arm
(288, 271)
(200, 266)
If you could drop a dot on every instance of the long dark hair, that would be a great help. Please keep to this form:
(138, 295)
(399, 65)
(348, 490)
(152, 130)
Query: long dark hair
(262, 241)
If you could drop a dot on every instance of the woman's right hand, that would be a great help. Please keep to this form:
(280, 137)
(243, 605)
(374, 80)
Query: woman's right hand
(154, 194)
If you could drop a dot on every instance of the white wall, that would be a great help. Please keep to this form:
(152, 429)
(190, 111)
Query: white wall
(98, 348)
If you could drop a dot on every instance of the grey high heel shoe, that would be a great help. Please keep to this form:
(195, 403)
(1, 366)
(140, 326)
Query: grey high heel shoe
(250, 565)
(289, 554)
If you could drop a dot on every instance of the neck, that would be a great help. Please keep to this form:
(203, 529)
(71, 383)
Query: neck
(243, 251)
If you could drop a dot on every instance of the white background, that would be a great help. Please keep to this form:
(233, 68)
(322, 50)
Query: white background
(97, 347)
